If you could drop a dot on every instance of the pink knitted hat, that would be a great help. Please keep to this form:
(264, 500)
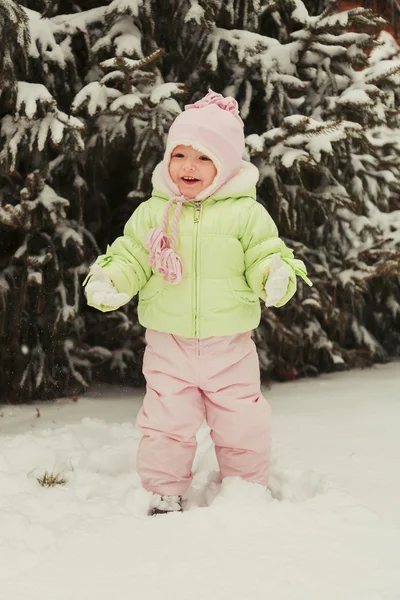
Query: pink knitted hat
(211, 126)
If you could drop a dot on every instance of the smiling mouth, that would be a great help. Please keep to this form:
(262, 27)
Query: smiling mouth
(190, 180)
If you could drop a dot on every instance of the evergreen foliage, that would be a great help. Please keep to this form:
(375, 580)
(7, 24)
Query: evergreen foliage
(127, 109)
(87, 96)
(44, 242)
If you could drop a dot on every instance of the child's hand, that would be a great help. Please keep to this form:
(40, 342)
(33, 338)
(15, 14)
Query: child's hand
(101, 290)
(277, 282)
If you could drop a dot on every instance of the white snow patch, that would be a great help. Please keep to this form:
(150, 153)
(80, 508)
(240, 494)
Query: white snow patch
(195, 13)
(355, 96)
(96, 96)
(327, 528)
(164, 91)
(30, 95)
(127, 101)
(42, 43)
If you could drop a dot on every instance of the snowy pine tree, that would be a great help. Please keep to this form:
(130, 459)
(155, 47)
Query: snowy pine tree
(302, 82)
(43, 238)
(320, 101)
(380, 173)
(323, 170)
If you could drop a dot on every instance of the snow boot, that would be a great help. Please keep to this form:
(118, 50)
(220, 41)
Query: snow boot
(161, 505)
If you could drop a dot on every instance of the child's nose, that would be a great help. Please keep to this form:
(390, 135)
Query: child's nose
(188, 165)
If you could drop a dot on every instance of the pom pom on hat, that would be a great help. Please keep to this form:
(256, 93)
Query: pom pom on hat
(229, 104)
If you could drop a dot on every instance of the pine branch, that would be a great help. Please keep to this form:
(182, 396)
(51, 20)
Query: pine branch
(125, 64)
(379, 79)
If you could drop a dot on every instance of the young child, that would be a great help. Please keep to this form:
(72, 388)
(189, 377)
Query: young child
(200, 253)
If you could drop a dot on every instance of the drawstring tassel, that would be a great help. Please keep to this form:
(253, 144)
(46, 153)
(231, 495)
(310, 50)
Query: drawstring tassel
(170, 266)
(156, 243)
(162, 256)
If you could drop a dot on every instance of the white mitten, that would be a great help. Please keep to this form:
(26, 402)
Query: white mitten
(277, 282)
(100, 289)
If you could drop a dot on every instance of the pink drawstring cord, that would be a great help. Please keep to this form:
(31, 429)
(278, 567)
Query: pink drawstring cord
(162, 255)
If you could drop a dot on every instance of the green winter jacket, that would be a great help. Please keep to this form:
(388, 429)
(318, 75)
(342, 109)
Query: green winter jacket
(225, 243)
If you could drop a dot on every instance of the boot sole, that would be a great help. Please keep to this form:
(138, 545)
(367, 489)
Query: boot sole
(155, 511)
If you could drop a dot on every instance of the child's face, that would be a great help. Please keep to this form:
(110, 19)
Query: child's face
(191, 171)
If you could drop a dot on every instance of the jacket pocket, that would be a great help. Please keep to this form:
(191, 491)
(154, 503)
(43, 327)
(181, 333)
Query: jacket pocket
(242, 292)
(153, 288)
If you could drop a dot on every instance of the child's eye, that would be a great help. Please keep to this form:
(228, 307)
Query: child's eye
(204, 158)
(177, 155)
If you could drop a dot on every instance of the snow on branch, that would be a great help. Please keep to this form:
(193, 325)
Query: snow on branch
(32, 97)
(386, 49)
(37, 121)
(300, 13)
(73, 361)
(246, 44)
(386, 69)
(42, 41)
(68, 234)
(95, 97)
(165, 91)
(304, 138)
(124, 37)
(124, 7)
(14, 21)
(355, 96)
(54, 204)
(4, 284)
(82, 21)
(272, 61)
(125, 102)
(121, 359)
(195, 13)
(129, 65)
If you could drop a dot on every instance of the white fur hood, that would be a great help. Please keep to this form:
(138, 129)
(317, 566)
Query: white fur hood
(242, 183)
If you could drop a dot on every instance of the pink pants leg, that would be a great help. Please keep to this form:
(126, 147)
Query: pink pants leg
(188, 380)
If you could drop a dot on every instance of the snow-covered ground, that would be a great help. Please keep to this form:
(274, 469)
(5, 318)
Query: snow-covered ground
(329, 531)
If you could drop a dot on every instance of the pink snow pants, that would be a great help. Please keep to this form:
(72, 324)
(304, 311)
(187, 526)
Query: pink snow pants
(216, 378)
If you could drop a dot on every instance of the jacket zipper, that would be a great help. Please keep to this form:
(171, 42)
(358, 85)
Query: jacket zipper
(195, 268)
